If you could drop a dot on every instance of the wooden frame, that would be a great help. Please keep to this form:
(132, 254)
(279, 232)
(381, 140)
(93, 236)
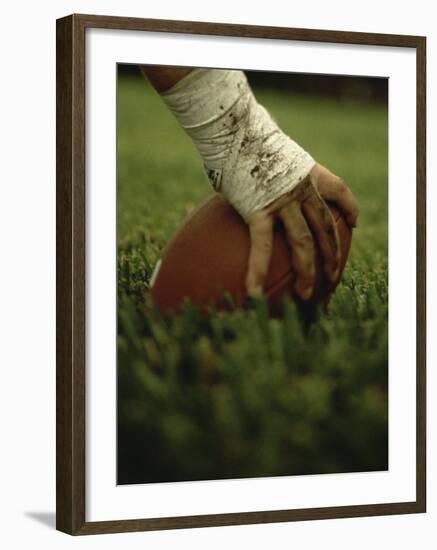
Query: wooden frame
(70, 204)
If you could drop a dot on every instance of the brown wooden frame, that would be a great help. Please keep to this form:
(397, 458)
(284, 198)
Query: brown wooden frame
(70, 298)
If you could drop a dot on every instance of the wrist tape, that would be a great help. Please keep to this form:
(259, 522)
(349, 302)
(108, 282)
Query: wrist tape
(246, 155)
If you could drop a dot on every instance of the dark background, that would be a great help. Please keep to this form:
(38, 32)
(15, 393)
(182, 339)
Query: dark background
(332, 86)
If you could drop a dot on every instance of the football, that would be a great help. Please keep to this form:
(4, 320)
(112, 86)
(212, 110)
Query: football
(206, 262)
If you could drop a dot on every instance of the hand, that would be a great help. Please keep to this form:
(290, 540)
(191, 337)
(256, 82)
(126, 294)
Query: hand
(303, 213)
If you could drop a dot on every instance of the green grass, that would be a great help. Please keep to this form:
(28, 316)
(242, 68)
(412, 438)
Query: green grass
(240, 394)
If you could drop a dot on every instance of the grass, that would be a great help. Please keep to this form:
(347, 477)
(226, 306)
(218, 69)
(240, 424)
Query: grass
(240, 394)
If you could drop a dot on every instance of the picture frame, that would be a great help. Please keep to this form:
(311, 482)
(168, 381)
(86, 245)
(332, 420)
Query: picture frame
(73, 406)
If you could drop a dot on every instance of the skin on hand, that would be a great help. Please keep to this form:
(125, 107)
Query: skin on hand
(303, 213)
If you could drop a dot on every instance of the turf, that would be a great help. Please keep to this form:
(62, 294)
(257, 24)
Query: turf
(240, 394)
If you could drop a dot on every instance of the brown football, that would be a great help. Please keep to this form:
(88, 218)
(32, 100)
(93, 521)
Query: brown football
(208, 257)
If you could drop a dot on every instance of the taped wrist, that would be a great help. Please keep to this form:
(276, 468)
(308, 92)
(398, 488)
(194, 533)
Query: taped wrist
(246, 155)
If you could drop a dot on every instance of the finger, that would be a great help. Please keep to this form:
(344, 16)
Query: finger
(301, 243)
(261, 239)
(335, 189)
(324, 227)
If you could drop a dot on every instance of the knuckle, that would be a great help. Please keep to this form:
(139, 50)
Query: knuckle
(265, 245)
(305, 266)
(342, 186)
(310, 275)
(324, 213)
(260, 249)
(260, 231)
(331, 230)
(305, 263)
(305, 241)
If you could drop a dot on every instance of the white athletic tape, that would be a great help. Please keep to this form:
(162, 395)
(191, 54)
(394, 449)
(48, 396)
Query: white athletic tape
(246, 155)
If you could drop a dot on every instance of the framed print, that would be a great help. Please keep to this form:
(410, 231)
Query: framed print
(240, 274)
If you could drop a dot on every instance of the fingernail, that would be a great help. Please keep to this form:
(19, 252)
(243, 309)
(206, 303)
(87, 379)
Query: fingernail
(333, 277)
(305, 293)
(256, 291)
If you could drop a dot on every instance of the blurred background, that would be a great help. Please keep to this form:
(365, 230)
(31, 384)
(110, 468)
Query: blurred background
(240, 394)
(329, 86)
